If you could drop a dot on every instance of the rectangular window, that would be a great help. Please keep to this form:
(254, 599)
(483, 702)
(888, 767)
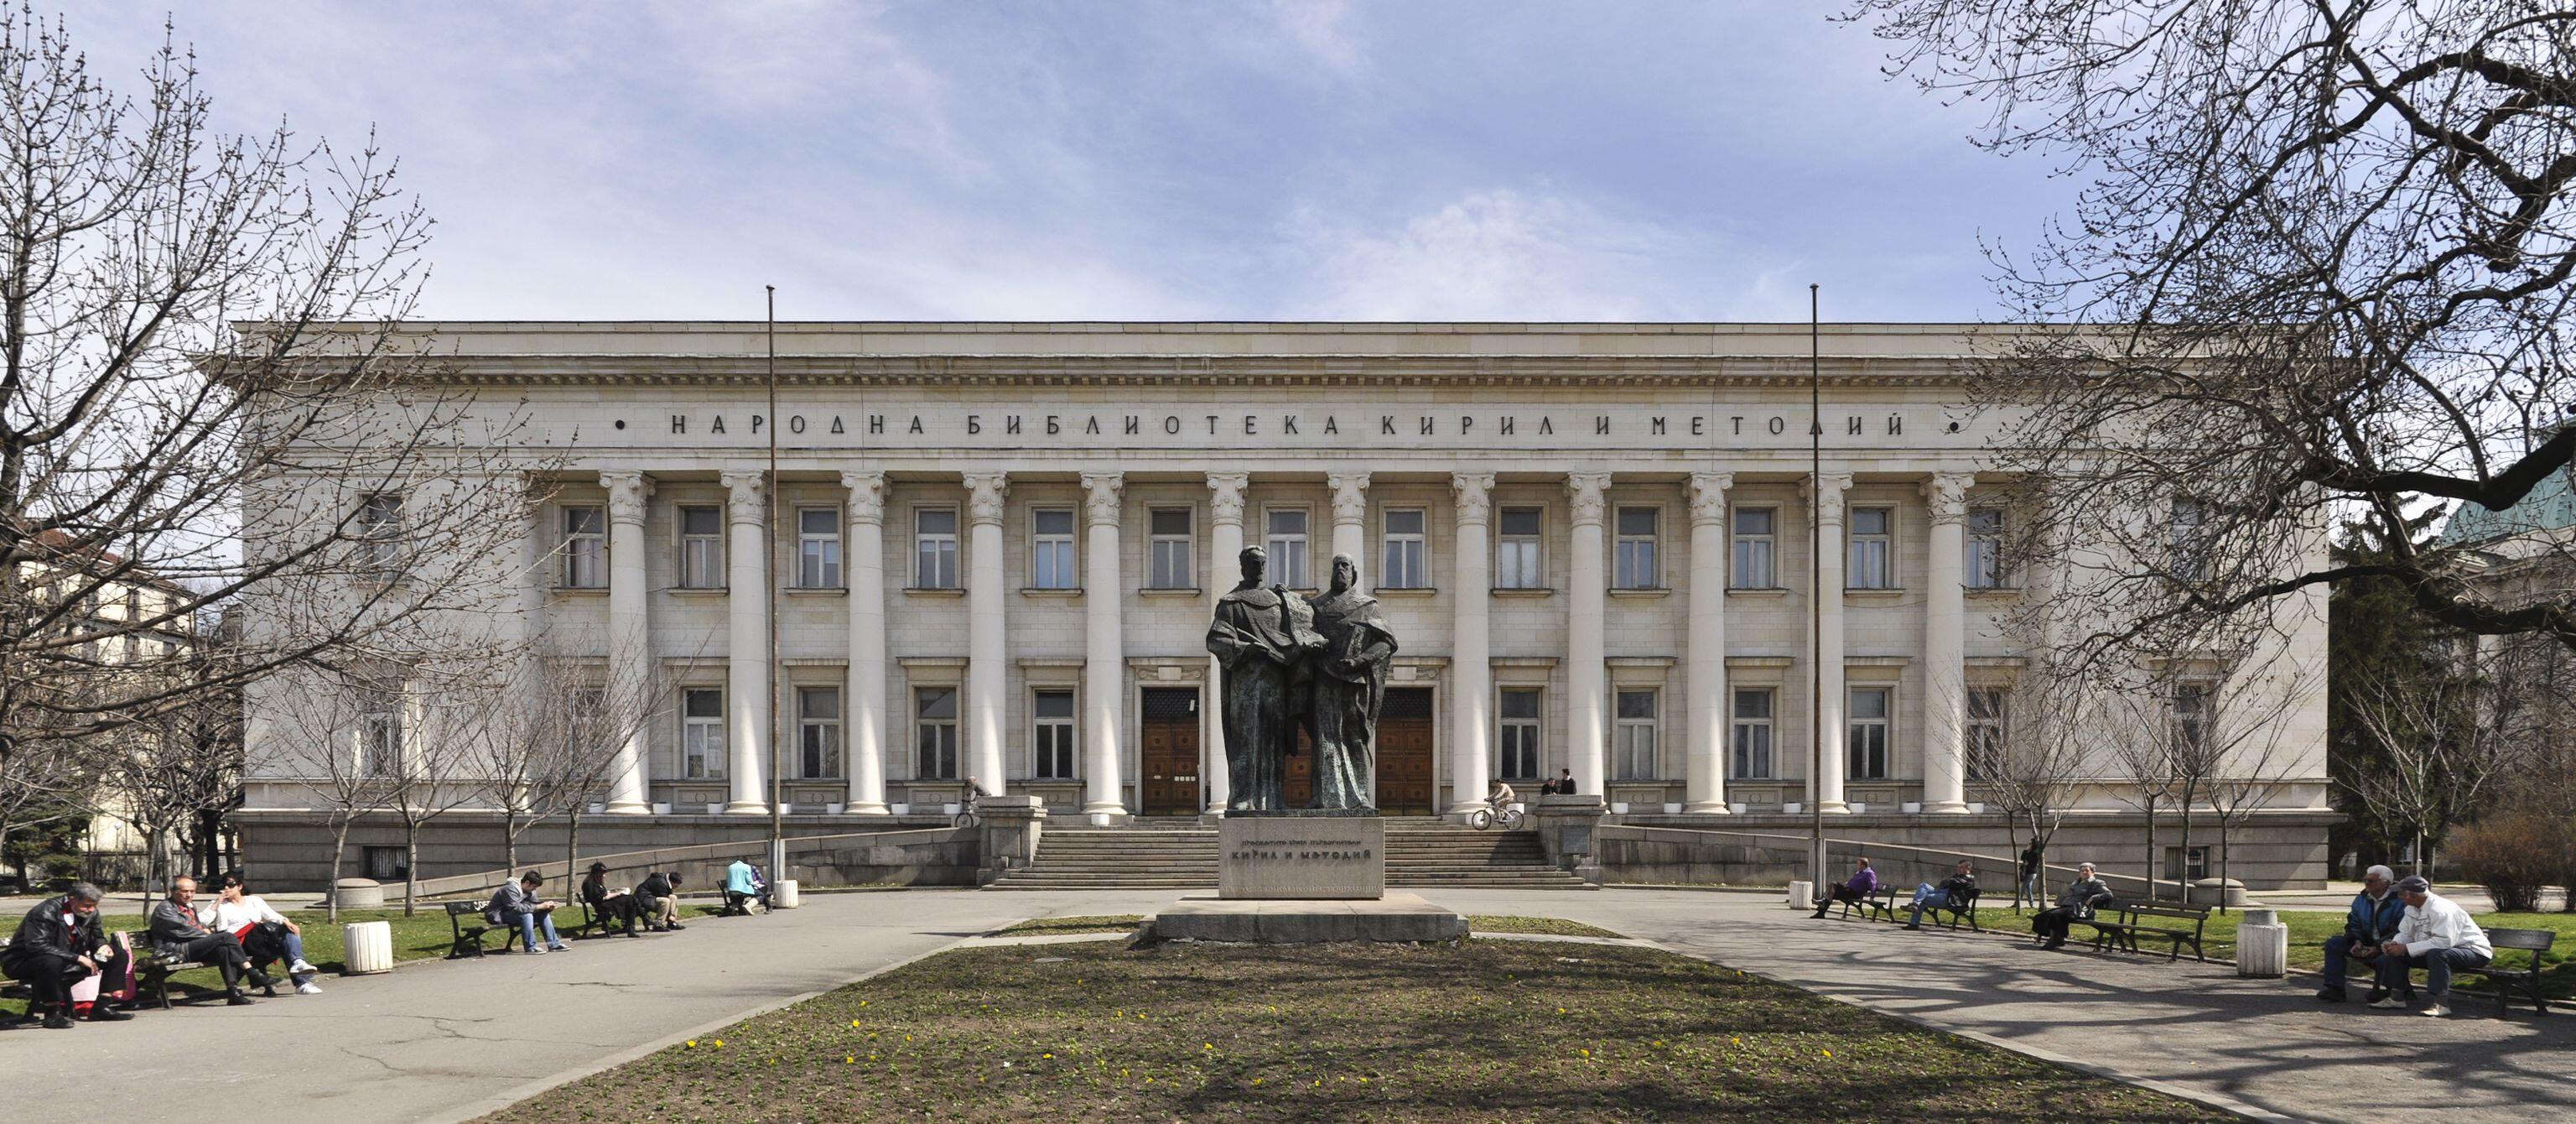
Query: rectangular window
(380, 533)
(1754, 543)
(701, 548)
(1516, 556)
(2192, 865)
(586, 726)
(1985, 733)
(818, 732)
(387, 864)
(585, 548)
(1406, 562)
(1751, 759)
(818, 548)
(2190, 541)
(2190, 720)
(1636, 736)
(1051, 549)
(1167, 559)
(1286, 542)
(1518, 748)
(1871, 566)
(935, 733)
(934, 548)
(1634, 556)
(1867, 757)
(702, 734)
(1985, 561)
(1053, 736)
(380, 735)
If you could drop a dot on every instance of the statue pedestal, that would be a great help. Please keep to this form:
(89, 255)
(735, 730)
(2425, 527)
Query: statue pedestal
(1335, 854)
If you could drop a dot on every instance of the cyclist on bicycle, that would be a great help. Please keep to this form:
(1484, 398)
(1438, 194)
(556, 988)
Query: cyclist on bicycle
(1502, 797)
(974, 791)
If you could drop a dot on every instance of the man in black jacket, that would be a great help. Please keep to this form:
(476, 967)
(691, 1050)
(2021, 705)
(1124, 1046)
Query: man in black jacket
(58, 944)
(1958, 891)
(660, 894)
(179, 935)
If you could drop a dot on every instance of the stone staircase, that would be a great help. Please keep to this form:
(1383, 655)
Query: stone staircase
(1422, 852)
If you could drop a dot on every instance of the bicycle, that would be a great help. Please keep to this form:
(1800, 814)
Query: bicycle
(967, 817)
(1482, 818)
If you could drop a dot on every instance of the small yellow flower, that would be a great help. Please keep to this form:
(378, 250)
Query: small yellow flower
(1585, 1053)
(1050, 1056)
(854, 1022)
(1659, 1042)
(1256, 1082)
(906, 1038)
(693, 1043)
(1207, 1045)
(849, 1060)
(719, 1043)
(1829, 1053)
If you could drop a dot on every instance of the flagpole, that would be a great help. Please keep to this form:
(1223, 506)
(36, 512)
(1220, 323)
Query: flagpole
(1815, 598)
(769, 559)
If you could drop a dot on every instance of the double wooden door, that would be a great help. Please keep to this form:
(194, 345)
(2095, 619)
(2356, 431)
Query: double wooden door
(1170, 742)
(1404, 782)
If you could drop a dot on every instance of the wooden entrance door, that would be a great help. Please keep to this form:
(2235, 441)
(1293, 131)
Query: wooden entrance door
(1297, 789)
(1171, 751)
(1404, 785)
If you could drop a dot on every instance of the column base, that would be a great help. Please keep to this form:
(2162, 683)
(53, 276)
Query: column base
(1833, 807)
(1106, 808)
(1707, 808)
(1459, 811)
(1946, 807)
(869, 809)
(746, 808)
(627, 808)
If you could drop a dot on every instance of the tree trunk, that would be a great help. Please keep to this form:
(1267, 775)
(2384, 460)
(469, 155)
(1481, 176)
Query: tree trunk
(510, 836)
(2151, 849)
(2418, 858)
(2182, 881)
(572, 839)
(2012, 846)
(411, 865)
(339, 848)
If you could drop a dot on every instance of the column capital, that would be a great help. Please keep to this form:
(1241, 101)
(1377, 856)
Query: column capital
(984, 492)
(743, 493)
(1708, 496)
(1826, 492)
(1475, 496)
(1587, 489)
(1948, 493)
(1101, 492)
(1225, 497)
(867, 496)
(627, 492)
(1350, 496)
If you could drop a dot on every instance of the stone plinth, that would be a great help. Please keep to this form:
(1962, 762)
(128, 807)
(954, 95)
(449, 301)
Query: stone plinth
(1393, 917)
(1303, 855)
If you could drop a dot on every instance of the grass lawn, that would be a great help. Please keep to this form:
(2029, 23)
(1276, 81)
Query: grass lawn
(423, 935)
(1496, 1029)
(1556, 926)
(2310, 928)
(1057, 926)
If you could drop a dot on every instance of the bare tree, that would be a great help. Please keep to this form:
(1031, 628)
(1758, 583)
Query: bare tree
(342, 739)
(50, 783)
(2132, 718)
(2322, 270)
(2442, 744)
(2029, 772)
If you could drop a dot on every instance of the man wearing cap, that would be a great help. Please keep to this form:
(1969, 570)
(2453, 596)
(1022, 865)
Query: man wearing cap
(2375, 914)
(2436, 936)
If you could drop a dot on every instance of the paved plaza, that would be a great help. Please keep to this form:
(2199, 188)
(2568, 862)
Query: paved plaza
(443, 1041)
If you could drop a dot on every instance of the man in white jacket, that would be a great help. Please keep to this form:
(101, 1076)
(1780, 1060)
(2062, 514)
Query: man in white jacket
(2436, 936)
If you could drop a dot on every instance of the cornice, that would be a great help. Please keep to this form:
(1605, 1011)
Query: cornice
(1187, 370)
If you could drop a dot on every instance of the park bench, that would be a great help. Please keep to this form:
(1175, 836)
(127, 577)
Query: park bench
(2533, 942)
(152, 972)
(1879, 903)
(469, 938)
(2164, 921)
(1949, 913)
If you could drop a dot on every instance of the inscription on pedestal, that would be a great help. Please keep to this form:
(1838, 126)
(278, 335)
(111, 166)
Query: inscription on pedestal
(1293, 856)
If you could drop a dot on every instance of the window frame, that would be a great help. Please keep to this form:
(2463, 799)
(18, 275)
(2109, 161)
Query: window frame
(834, 571)
(1985, 728)
(1623, 544)
(2189, 538)
(703, 736)
(380, 734)
(695, 548)
(1055, 558)
(1860, 569)
(2188, 726)
(1860, 748)
(1391, 575)
(1062, 730)
(1626, 730)
(1290, 552)
(1739, 724)
(827, 730)
(1739, 543)
(1983, 567)
(380, 533)
(922, 725)
(1171, 559)
(1533, 545)
(584, 549)
(1531, 730)
(941, 548)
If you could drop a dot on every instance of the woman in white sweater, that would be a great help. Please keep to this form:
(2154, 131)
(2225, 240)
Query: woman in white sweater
(264, 932)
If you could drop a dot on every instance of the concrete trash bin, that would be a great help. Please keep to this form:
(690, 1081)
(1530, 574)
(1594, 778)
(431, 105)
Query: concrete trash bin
(782, 894)
(365, 947)
(1802, 894)
(2218, 891)
(359, 893)
(2262, 945)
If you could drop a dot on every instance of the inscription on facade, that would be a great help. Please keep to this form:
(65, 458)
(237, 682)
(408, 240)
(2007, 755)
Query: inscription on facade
(1632, 429)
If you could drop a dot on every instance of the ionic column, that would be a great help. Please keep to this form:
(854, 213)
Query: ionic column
(747, 701)
(1704, 743)
(1225, 542)
(1104, 655)
(1350, 516)
(1586, 674)
(867, 689)
(1945, 624)
(1825, 494)
(630, 644)
(986, 679)
(1471, 678)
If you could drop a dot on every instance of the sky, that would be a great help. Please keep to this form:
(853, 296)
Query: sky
(1249, 160)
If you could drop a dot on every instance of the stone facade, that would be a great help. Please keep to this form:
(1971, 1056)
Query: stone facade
(997, 546)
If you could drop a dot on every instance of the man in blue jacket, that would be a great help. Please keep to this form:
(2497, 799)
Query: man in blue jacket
(2372, 921)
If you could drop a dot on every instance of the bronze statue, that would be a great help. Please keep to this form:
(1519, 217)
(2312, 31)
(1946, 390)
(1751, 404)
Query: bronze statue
(1262, 637)
(1349, 685)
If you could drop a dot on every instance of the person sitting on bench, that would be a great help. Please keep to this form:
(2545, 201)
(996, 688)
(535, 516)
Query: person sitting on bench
(1856, 889)
(607, 907)
(742, 887)
(1959, 889)
(2082, 897)
(179, 936)
(517, 906)
(2436, 936)
(264, 933)
(659, 895)
(2373, 918)
(60, 943)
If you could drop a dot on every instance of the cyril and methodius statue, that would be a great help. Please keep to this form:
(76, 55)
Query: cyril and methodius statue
(1289, 664)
